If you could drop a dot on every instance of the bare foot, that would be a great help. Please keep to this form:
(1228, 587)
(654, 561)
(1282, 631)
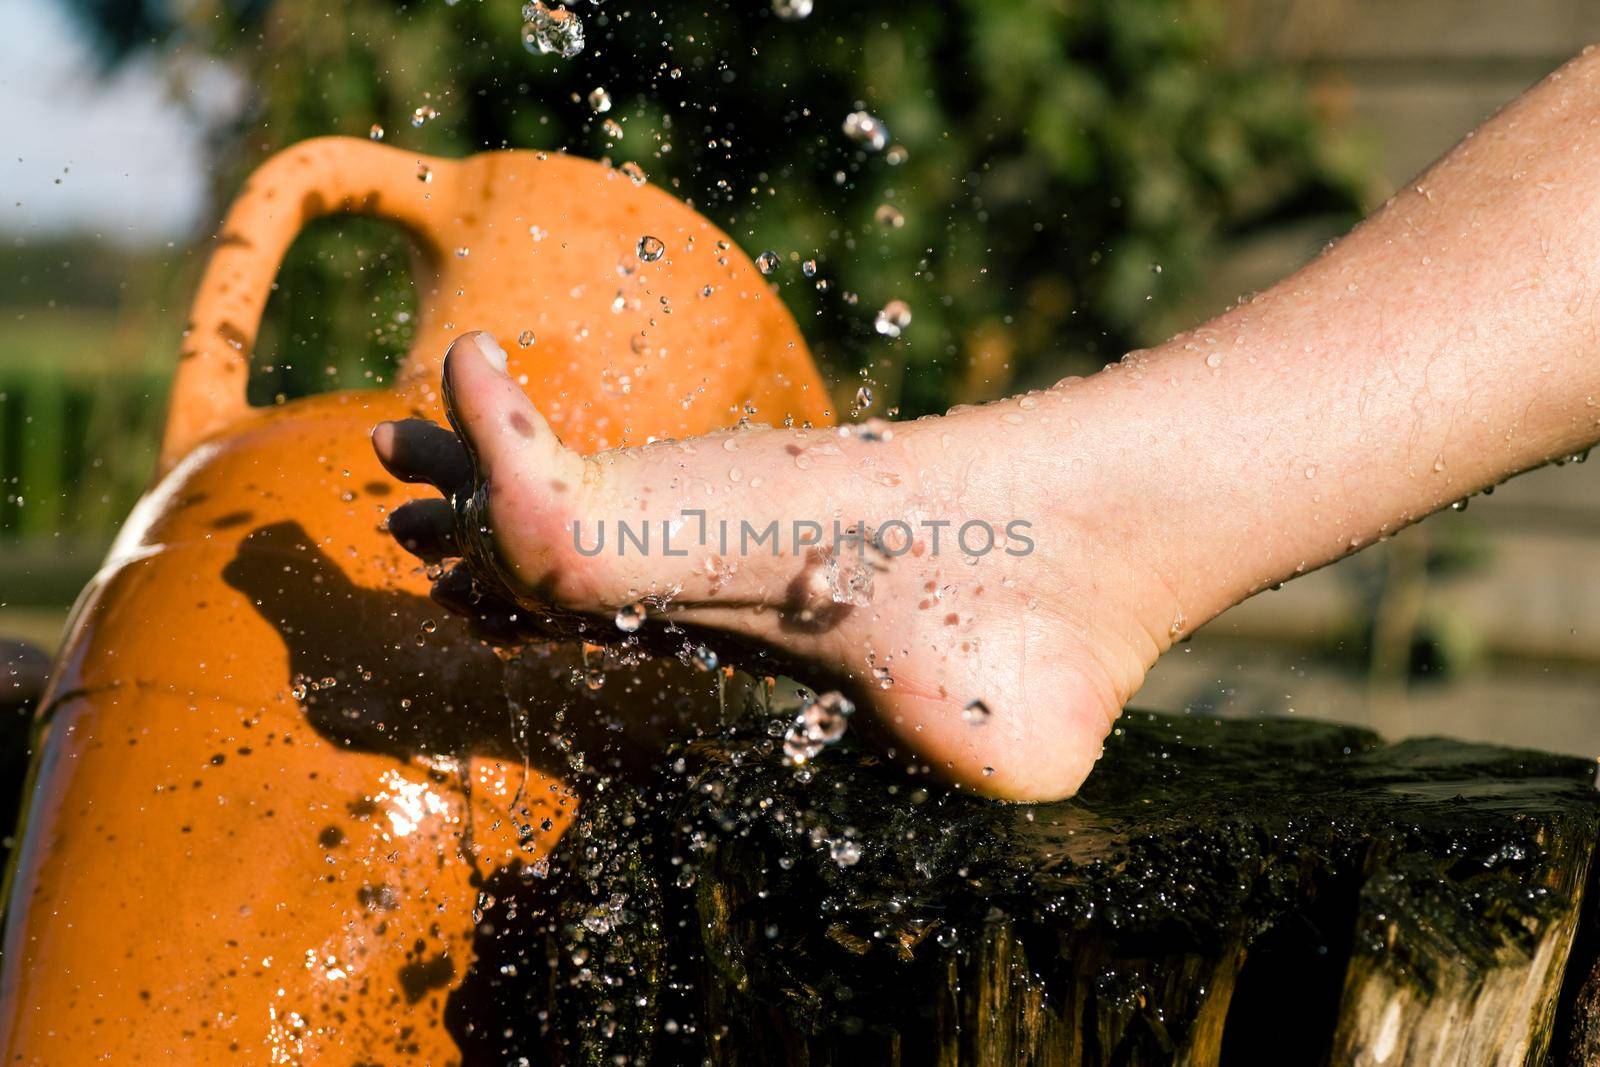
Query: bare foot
(986, 600)
(1443, 346)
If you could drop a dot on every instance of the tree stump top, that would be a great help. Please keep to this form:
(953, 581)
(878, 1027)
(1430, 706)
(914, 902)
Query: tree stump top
(1220, 892)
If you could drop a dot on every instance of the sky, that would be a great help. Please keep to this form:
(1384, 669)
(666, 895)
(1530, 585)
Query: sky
(116, 153)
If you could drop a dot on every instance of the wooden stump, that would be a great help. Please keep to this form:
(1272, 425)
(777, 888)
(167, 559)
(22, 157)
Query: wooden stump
(1222, 892)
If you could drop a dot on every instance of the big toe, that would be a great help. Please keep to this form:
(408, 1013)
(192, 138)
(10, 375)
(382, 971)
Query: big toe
(501, 427)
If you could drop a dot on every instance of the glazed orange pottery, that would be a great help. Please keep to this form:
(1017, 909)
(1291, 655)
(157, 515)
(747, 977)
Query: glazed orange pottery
(276, 780)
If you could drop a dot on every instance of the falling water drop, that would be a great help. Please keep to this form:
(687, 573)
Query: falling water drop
(651, 248)
(599, 100)
(631, 616)
(551, 30)
(890, 216)
(767, 262)
(866, 130)
(792, 10)
(376, 133)
(423, 114)
(893, 319)
(820, 723)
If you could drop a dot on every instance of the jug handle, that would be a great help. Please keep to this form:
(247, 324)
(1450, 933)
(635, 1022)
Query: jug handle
(324, 176)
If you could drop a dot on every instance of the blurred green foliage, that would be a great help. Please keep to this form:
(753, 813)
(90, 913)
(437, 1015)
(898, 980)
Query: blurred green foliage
(1056, 154)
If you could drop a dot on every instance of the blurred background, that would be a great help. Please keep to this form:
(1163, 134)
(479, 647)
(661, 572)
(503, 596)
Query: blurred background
(1063, 180)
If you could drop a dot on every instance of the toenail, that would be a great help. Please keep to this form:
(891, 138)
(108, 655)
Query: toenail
(489, 349)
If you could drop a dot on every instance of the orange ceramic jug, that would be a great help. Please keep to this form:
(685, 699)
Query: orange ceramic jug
(275, 777)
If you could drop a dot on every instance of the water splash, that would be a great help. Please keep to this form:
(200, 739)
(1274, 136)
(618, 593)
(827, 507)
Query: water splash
(548, 30)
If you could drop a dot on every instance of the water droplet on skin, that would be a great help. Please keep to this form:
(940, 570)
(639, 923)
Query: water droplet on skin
(803, 461)
(791, 10)
(631, 616)
(525, 338)
(376, 133)
(1214, 360)
(889, 215)
(866, 130)
(976, 712)
(424, 173)
(651, 248)
(599, 100)
(872, 430)
(1438, 465)
(767, 262)
(463, 252)
(547, 30)
(1178, 623)
(1311, 472)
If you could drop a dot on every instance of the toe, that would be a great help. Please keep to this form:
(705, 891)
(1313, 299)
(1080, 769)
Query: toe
(425, 528)
(416, 450)
(501, 427)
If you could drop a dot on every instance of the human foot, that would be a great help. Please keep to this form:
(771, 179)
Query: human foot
(998, 647)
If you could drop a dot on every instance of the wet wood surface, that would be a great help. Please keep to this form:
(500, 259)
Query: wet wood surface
(1223, 892)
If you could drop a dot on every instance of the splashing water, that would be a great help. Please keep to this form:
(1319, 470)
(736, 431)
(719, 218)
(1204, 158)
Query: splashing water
(631, 616)
(551, 30)
(820, 723)
(893, 319)
(651, 248)
(866, 130)
(850, 580)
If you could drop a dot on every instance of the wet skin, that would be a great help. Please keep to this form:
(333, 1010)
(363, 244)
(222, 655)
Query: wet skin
(1446, 344)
